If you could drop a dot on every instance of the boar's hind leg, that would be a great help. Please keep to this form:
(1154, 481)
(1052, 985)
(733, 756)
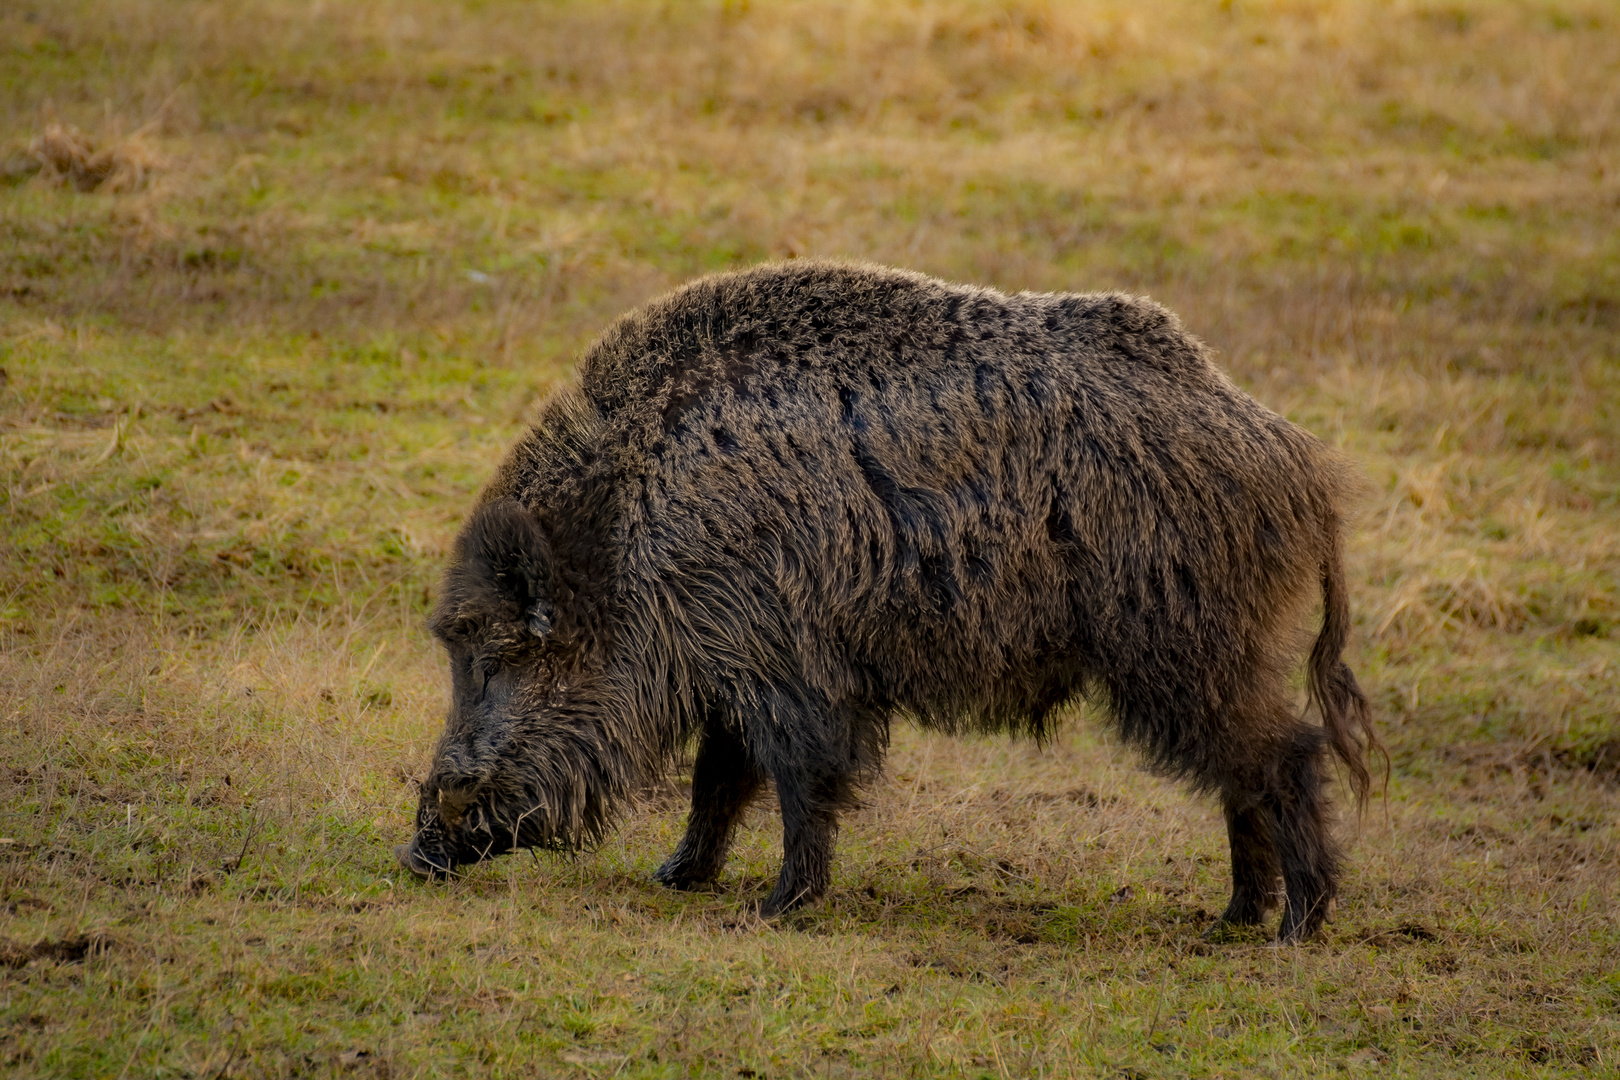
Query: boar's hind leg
(1256, 877)
(1278, 823)
(1304, 837)
(724, 780)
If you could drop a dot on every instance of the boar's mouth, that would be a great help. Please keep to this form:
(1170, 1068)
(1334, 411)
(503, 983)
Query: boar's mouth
(435, 863)
(435, 850)
(457, 830)
(425, 864)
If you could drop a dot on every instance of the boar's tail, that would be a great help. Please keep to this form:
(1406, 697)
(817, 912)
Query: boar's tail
(1331, 684)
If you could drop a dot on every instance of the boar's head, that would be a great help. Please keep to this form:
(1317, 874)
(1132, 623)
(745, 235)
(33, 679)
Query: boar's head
(524, 761)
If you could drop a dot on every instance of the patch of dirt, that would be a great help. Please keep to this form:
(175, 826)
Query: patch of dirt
(1601, 759)
(1021, 924)
(1081, 796)
(23, 905)
(1404, 934)
(65, 951)
(959, 966)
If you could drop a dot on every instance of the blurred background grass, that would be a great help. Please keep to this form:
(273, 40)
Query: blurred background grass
(278, 281)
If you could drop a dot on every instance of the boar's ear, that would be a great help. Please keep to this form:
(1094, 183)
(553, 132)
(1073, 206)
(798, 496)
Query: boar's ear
(503, 546)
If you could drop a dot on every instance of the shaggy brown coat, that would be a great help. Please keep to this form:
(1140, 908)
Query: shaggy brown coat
(786, 505)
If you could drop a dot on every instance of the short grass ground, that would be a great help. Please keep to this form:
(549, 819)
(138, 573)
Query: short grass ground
(278, 281)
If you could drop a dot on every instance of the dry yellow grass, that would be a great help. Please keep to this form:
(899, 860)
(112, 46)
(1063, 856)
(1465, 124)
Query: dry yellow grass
(247, 395)
(67, 155)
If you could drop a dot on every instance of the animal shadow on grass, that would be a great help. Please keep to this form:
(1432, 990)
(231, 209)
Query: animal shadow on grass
(1010, 920)
(978, 911)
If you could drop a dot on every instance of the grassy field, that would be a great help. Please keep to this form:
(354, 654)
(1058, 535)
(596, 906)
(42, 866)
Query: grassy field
(279, 280)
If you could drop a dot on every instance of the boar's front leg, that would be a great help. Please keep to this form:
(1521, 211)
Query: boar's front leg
(814, 759)
(724, 781)
(809, 828)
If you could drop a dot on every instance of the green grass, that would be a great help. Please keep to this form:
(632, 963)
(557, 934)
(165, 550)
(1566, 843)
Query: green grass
(247, 399)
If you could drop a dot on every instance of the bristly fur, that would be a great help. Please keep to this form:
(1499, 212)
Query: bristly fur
(784, 505)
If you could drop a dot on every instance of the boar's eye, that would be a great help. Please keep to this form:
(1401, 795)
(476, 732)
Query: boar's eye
(540, 618)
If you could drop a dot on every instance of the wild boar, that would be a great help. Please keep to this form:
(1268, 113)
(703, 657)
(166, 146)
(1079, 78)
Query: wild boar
(783, 507)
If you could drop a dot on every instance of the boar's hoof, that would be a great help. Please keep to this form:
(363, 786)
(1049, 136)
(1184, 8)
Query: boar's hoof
(674, 879)
(414, 861)
(682, 871)
(775, 905)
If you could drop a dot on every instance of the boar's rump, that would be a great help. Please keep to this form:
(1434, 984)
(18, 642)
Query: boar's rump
(784, 506)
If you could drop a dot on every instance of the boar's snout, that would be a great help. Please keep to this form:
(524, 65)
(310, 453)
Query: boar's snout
(425, 865)
(434, 852)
